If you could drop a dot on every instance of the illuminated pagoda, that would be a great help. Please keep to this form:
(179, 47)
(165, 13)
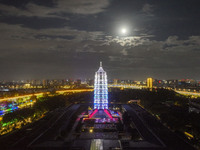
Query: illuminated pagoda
(100, 89)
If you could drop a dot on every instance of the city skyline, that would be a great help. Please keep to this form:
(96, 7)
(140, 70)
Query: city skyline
(66, 39)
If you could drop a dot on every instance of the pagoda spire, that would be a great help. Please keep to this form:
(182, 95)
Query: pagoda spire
(100, 89)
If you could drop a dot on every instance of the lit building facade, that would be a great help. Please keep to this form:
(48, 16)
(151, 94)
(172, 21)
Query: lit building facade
(149, 82)
(100, 89)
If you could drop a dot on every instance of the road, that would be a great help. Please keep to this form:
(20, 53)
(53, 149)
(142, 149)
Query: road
(144, 131)
(170, 139)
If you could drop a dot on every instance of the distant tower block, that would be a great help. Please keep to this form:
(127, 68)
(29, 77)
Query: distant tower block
(149, 82)
(100, 89)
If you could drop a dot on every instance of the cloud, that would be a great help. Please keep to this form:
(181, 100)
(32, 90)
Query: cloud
(174, 44)
(68, 35)
(84, 7)
(172, 40)
(124, 52)
(148, 9)
(20, 45)
(13, 32)
(24, 47)
(127, 41)
(169, 54)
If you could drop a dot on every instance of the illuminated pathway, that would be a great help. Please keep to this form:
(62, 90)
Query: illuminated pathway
(130, 86)
(74, 91)
(12, 103)
(41, 94)
(188, 93)
(23, 97)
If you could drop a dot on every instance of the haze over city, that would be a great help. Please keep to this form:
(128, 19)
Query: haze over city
(134, 39)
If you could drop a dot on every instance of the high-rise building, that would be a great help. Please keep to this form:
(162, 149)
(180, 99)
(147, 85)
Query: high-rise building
(100, 89)
(44, 83)
(149, 82)
(116, 81)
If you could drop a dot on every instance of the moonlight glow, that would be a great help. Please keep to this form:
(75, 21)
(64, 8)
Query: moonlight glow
(123, 30)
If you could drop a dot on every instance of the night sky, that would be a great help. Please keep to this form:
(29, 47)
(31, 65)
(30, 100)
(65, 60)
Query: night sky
(57, 39)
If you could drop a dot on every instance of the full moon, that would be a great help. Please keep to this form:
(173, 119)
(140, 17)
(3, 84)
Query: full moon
(123, 30)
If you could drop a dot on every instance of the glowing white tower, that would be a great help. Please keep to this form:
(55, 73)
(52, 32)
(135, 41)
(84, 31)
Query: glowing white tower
(100, 89)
